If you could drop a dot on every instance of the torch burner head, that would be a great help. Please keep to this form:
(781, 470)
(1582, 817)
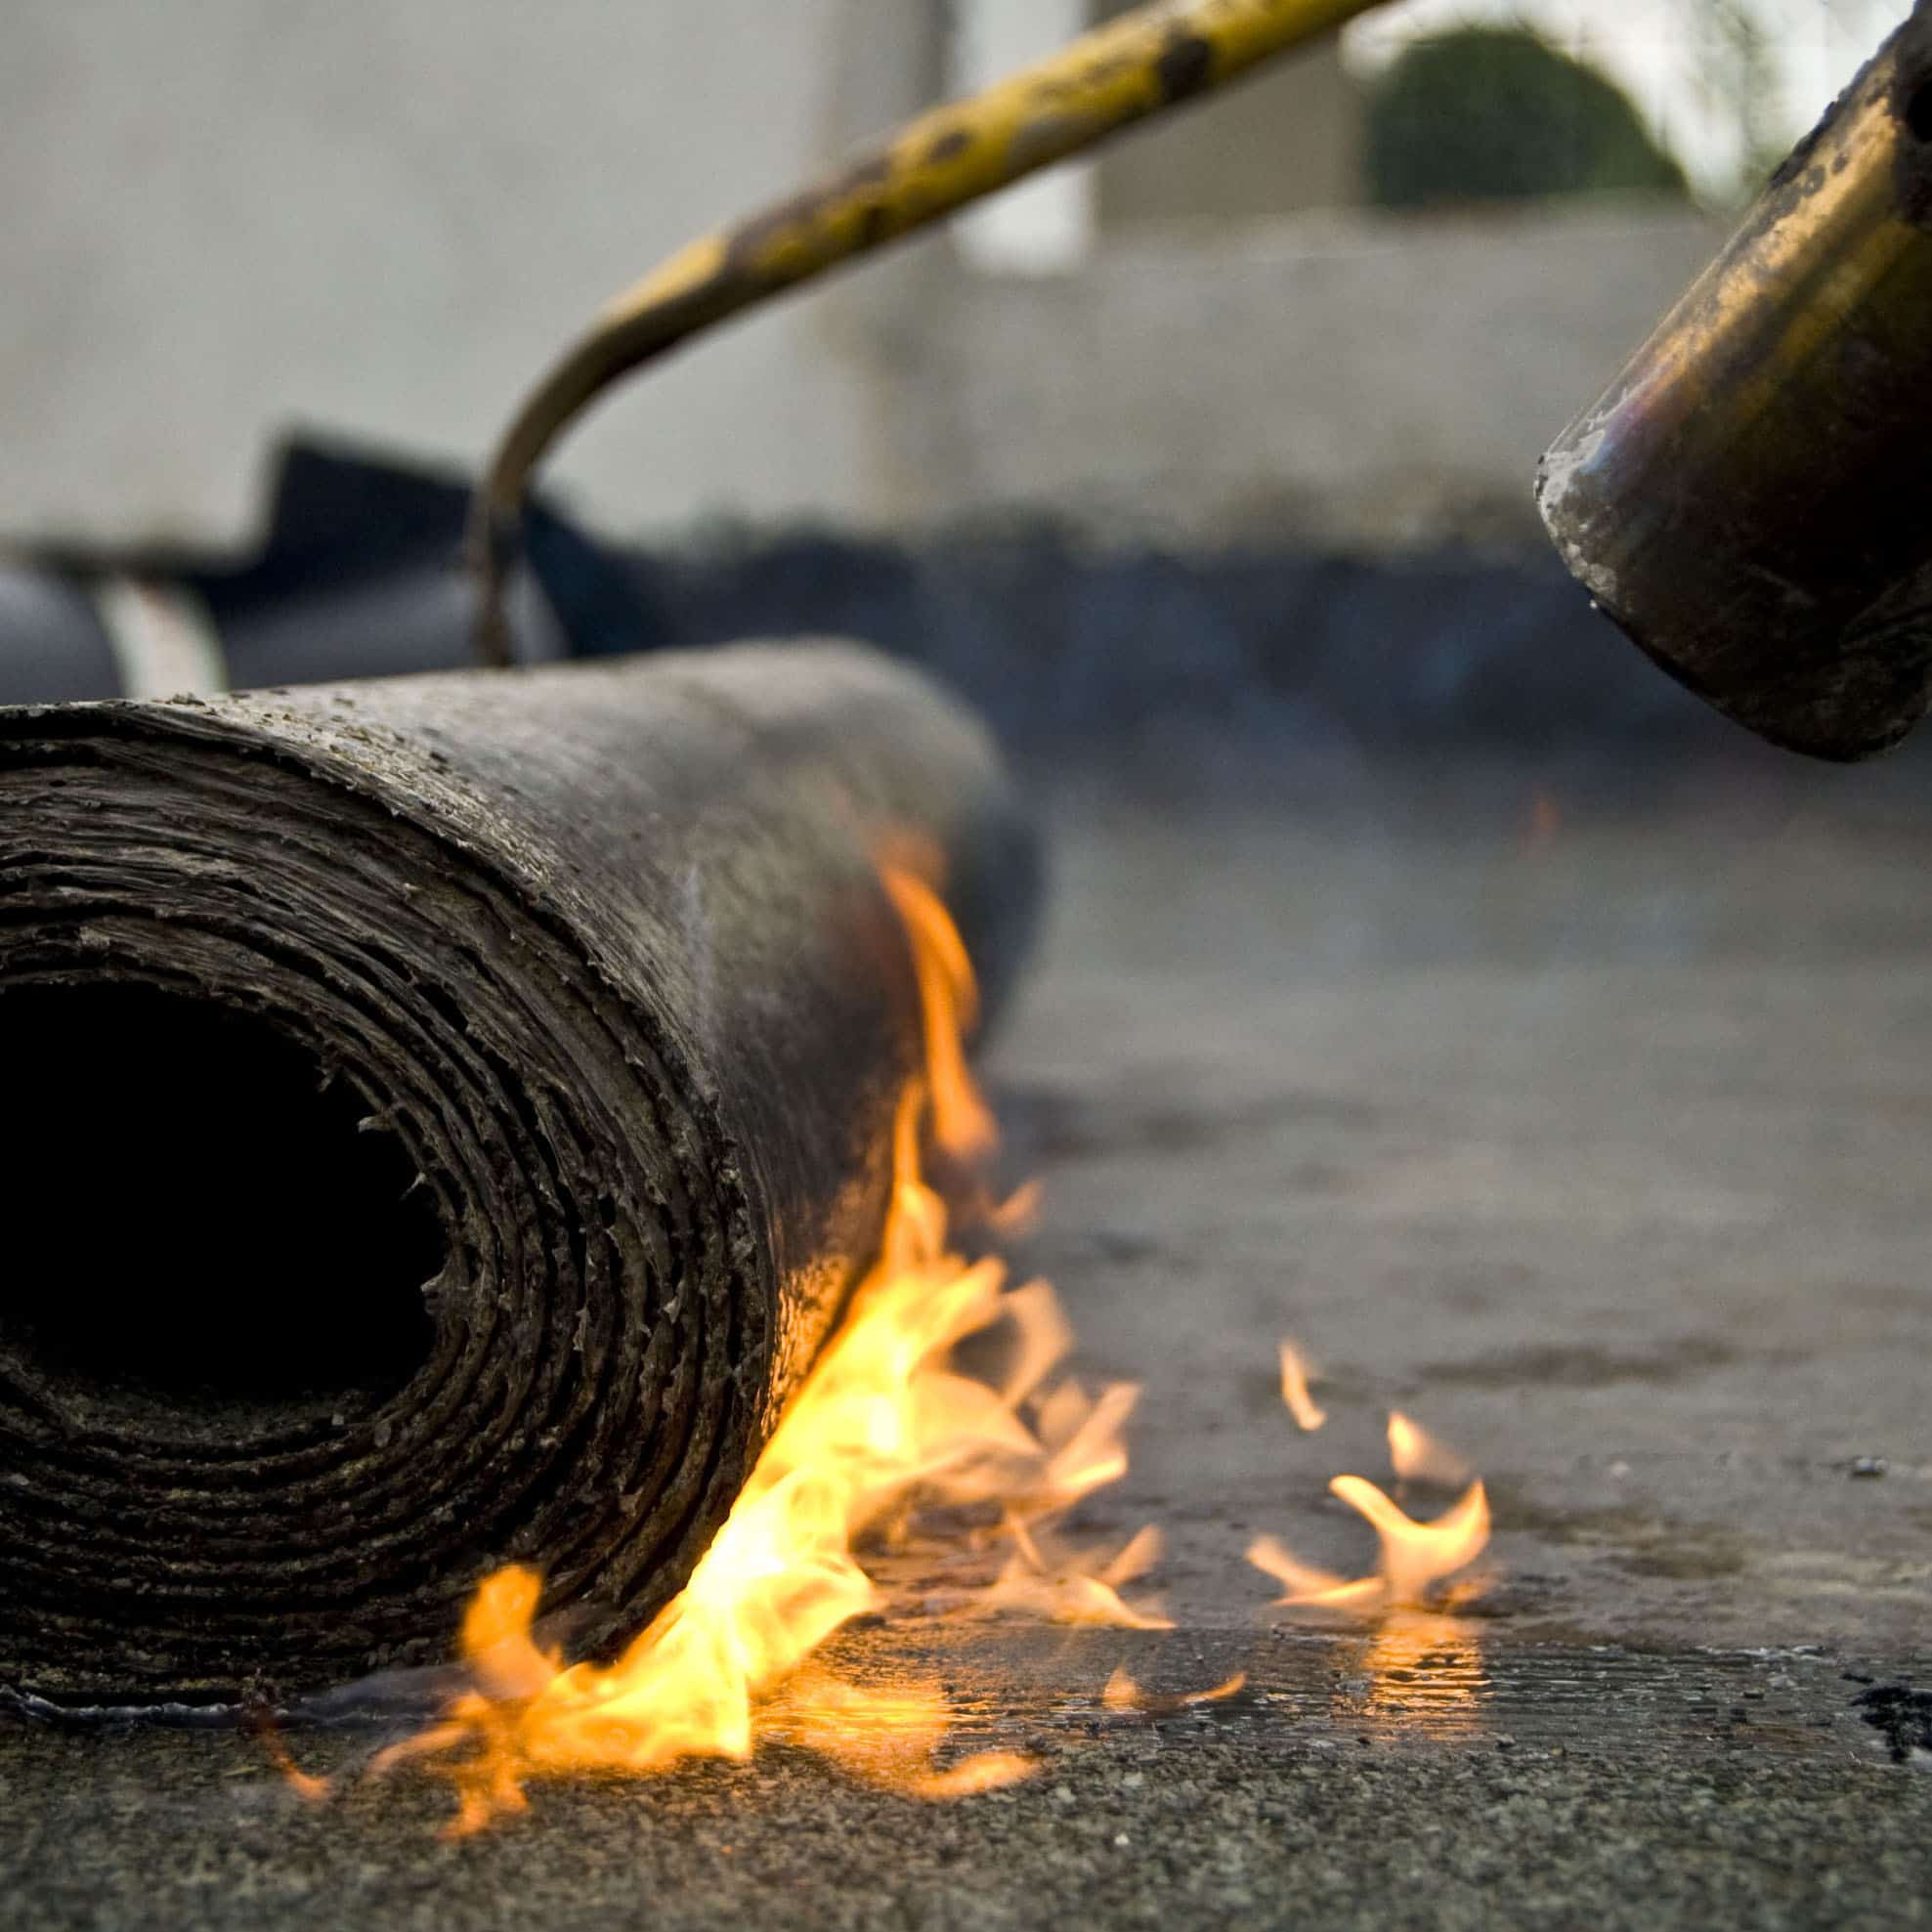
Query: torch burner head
(1751, 498)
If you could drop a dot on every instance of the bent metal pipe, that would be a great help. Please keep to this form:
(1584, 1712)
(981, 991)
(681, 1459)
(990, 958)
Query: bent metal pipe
(1132, 70)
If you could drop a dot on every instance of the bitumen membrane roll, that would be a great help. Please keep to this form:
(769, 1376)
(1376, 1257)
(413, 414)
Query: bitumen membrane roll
(446, 1115)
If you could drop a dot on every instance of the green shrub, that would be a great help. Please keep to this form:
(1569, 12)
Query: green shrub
(1491, 113)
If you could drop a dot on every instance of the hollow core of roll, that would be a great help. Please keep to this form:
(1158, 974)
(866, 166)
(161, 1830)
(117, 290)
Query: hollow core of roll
(197, 1217)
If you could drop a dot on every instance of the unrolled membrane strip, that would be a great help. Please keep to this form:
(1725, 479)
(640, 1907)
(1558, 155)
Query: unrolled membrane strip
(602, 953)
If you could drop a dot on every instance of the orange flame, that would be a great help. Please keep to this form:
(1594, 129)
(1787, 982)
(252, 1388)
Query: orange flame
(883, 1424)
(962, 1121)
(1416, 1457)
(886, 1737)
(1412, 1556)
(306, 1785)
(1123, 1693)
(1294, 1374)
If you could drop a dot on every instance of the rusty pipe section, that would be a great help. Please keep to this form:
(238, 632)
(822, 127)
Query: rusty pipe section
(1751, 499)
(1131, 69)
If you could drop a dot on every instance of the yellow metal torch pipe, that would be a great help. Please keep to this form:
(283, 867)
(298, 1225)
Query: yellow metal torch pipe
(1129, 70)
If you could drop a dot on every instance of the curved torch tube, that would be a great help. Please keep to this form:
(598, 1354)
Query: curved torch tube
(1129, 70)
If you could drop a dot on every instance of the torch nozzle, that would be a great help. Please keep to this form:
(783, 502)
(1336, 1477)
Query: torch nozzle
(1748, 498)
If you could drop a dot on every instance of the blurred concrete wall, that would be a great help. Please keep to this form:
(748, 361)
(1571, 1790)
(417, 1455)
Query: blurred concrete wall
(383, 217)
(386, 216)
(1353, 375)
(1283, 140)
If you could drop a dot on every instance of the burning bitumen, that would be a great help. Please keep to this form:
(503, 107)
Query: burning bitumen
(887, 1445)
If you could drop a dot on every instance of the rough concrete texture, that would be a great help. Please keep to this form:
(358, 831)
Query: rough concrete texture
(1595, 1141)
(1592, 1133)
(1248, 1819)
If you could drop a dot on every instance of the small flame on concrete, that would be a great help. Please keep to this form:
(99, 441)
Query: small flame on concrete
(1416, 1457)
(1296, 1374)
(1123, 1693)
(1412, 1556)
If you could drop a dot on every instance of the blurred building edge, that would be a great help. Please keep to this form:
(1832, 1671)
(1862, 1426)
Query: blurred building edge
(386, 220)
(1287, 140)
(1211, 340)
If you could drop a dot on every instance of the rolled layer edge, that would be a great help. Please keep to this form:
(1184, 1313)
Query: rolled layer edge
(450, 1111)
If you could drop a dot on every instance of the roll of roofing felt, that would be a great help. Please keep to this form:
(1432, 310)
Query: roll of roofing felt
(446, 1115)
